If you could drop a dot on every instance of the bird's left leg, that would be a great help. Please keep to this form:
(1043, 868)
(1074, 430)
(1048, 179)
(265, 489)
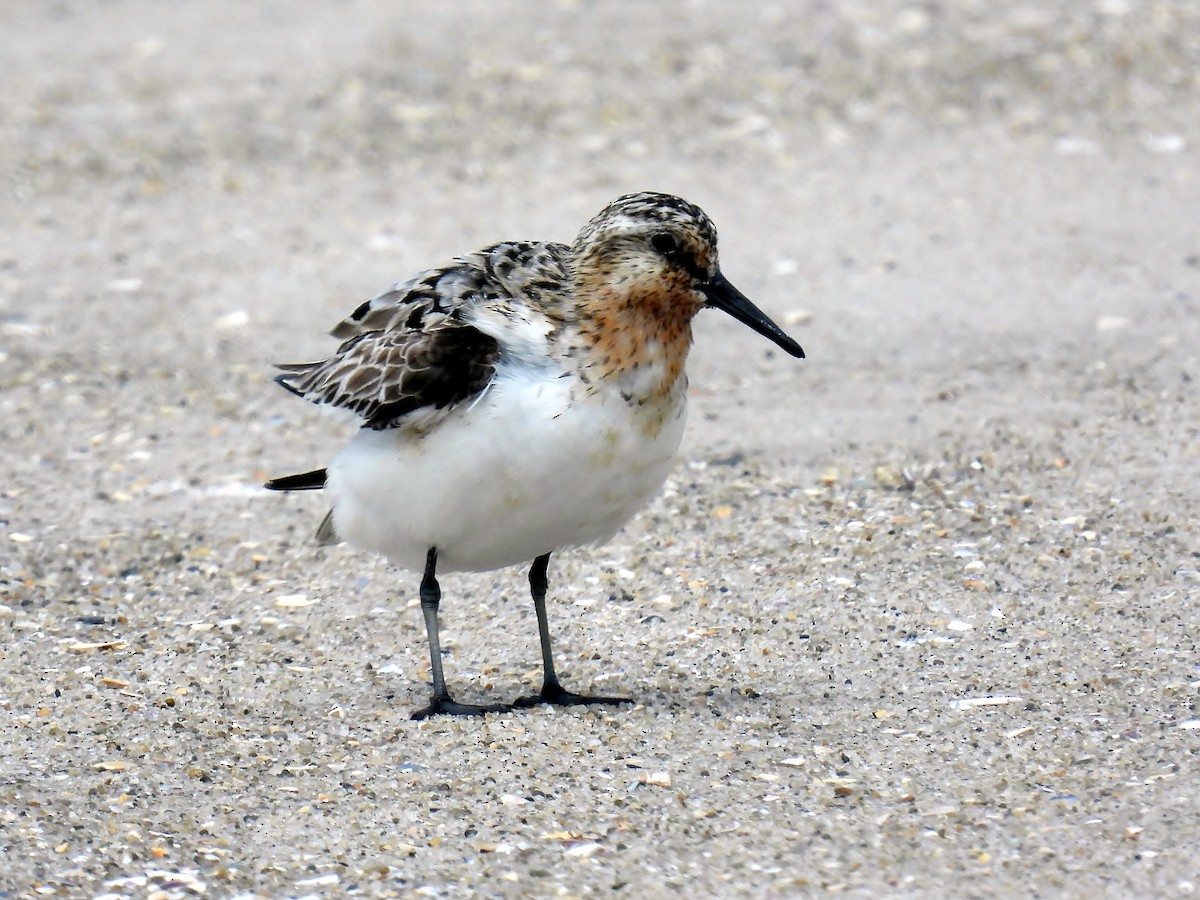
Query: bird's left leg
(441, 703)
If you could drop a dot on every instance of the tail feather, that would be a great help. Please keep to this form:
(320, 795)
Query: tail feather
(327, 532)
(291, 371)
(305, 481)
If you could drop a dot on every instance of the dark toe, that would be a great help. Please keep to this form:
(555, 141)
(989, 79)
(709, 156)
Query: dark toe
(556, 695)
(449, 707)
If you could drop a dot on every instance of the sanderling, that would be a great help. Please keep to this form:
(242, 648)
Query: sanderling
(527, 398)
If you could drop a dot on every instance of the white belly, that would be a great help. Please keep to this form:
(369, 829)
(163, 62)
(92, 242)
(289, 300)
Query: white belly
(523, 471)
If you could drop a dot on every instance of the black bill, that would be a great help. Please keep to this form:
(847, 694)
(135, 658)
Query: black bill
(723, 295)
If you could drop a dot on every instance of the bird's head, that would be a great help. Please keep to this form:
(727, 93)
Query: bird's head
(655, 255)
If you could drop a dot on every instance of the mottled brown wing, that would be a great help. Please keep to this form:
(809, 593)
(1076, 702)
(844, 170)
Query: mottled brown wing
(511, 271)
(384, 376)
(414, 346)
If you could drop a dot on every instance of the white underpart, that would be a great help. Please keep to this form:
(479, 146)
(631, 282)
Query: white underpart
(522, 334)
(533, 466)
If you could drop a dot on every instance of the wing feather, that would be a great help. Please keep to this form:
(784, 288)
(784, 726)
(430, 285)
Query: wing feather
(416, 346)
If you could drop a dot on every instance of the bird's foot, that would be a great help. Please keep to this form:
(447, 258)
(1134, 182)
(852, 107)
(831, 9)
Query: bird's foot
(445, 706)
(556, 695)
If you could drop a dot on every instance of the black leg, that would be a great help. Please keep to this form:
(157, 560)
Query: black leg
(552, 691)
(442, 703)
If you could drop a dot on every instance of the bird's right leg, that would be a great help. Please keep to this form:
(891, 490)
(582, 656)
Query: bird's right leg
(442, 703)
(552, 690)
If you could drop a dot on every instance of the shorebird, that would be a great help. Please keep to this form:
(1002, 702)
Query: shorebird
(525, 399)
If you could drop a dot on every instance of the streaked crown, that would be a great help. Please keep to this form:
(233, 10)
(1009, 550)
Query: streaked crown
(668, 225)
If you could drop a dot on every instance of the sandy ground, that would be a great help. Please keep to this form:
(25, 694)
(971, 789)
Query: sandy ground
(915, 616)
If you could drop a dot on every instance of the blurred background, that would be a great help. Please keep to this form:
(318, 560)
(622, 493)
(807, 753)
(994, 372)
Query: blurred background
(909, 186)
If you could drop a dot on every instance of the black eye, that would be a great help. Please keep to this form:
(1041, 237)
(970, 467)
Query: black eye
(665, 243)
